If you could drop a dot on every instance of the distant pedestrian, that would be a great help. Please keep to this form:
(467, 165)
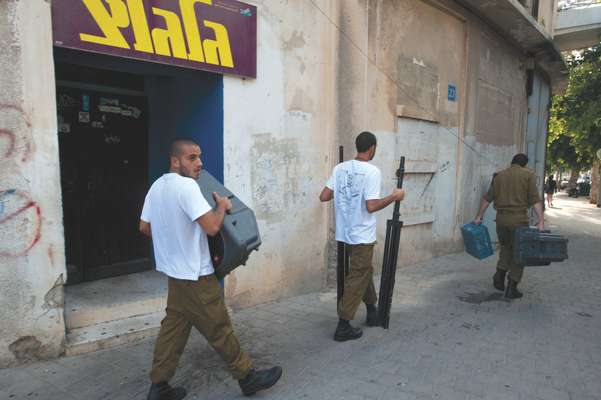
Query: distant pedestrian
(178, 219)
(550, 190)
(512, 191)
(355, 187)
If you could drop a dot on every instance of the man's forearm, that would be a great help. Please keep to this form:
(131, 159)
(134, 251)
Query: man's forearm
(379, 204)
(483, 206)
(219, 213)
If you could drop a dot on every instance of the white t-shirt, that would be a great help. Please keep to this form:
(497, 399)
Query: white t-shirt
(172, 206)
(354, 182)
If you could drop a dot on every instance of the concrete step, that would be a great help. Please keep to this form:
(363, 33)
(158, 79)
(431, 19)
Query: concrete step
(114, 299)
(113, 333)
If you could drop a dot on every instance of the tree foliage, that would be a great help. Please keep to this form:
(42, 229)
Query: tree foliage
(575, 119)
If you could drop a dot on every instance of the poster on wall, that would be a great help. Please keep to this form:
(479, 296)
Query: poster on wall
(212, 35)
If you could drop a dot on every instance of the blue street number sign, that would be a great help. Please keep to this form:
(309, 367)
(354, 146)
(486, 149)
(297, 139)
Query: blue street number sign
(452, 93)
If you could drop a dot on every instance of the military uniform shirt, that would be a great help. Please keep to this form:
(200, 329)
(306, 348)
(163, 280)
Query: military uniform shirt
(513, 189)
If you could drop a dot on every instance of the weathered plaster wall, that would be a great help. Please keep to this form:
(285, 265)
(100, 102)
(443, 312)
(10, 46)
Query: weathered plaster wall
(495, 117)
(415, 62)
(415, 50)
(330, 70)
(32, 264)
(277, 134)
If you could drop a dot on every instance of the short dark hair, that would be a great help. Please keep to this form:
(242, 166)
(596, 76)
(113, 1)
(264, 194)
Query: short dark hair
(521, 159)
(176, 146)
(364, 141)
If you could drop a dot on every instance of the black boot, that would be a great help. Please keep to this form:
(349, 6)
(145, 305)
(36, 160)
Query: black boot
(259, 380)
(498, 279)
(372, 315)
(345, 331)
(162, 391)
(512, 291)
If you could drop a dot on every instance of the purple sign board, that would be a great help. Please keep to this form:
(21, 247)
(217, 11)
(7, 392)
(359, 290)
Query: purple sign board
(212, 35)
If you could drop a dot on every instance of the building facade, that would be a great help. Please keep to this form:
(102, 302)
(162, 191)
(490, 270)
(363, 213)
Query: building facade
(455, 87)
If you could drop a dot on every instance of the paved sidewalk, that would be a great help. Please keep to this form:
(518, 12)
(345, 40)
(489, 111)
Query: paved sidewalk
(451, 336)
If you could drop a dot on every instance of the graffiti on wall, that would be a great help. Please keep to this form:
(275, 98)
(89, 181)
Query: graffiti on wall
(20, 223)
(15, 127)
(20, 215)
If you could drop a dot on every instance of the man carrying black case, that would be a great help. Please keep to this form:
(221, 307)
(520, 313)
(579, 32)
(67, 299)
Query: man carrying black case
(178, 219)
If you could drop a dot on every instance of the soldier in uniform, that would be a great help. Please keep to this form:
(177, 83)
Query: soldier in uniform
(512, 191)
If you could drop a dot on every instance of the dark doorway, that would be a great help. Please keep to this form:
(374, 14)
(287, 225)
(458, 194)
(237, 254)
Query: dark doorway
(103, 142)
(109, 156)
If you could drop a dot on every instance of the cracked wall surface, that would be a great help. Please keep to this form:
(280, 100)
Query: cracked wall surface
(331, 70)
(31, 242)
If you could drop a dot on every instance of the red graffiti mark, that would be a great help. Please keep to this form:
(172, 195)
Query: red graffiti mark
(25, 204)
(11, 142)
(12, 137)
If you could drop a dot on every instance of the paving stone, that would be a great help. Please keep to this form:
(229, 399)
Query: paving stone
(451, 336)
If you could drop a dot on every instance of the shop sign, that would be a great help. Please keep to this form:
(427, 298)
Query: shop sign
(212, 35)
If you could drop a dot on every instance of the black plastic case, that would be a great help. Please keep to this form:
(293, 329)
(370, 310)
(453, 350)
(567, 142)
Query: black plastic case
(239, 235)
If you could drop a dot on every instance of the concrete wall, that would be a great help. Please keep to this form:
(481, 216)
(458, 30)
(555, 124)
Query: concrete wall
(454, 145)
(328, 72)
(547, 14)
(32, 263)
(277, 139)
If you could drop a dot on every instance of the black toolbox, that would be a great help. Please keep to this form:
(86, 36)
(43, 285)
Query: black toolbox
(537, 248)
(239, 235)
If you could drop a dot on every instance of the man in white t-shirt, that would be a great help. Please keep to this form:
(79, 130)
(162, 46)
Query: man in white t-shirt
(355, 187)
(178, 219)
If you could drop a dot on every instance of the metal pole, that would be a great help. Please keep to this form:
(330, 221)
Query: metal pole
(391, 252)
(599, 179)
(599, 187)
(341, 254)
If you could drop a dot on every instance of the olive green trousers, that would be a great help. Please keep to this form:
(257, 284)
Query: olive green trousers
(358, 284)
(199, 304)
(507, 223)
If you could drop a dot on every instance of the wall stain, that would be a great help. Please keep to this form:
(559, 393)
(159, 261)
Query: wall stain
(26, 348)
(296, 41)
(274, 176)
(54, 298)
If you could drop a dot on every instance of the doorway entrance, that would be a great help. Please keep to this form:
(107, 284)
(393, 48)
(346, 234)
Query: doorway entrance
(116, 119)
(103, 143)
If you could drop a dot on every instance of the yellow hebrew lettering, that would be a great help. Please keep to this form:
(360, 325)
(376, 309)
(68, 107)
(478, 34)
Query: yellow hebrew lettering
(220, 45)
(191, 26)
(172, 34)
(109, 22)
(139, 25)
